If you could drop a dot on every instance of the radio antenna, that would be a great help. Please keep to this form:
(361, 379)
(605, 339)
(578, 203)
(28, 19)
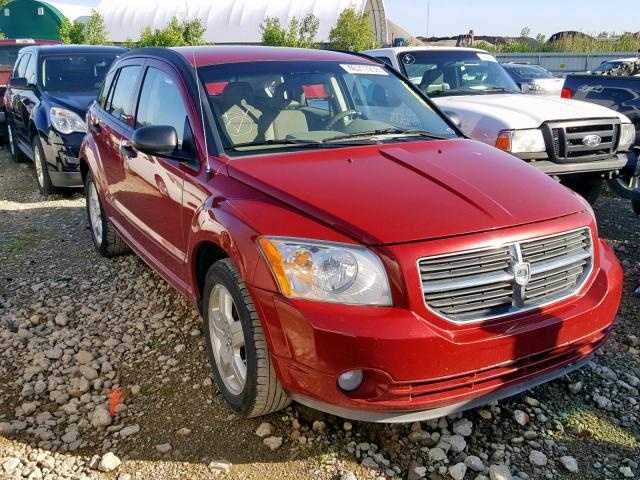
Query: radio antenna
(201, 107)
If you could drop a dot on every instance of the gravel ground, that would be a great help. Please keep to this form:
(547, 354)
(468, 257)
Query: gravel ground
(77, 330)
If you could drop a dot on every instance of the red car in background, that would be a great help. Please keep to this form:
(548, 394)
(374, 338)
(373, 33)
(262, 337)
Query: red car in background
(347, 246)
(9, 49)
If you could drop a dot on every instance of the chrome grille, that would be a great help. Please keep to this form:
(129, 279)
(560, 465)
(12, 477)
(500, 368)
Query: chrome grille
(564, 139)
(481, 284)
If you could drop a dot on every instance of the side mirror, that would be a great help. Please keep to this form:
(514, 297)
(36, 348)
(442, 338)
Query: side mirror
(454, 117)
(19, 83)
(159, 140)
(524, 87)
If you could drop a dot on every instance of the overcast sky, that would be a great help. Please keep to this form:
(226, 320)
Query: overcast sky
(503, 17)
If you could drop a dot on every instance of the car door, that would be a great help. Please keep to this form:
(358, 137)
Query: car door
(28, 99)
(15, 99)
(112, 128)
(153, 184)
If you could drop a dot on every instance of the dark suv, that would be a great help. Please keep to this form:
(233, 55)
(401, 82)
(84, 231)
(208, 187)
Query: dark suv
(46, 101)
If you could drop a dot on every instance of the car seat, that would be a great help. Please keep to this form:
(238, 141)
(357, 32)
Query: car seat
(285, 116)
(239, 115)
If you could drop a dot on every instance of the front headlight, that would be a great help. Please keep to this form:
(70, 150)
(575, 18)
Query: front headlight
(627, 136)
(521, 141)
(65, 121)
(326, 271)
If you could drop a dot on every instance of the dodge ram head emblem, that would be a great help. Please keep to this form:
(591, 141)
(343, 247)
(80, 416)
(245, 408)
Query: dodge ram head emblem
(591, 140)
(521, 273)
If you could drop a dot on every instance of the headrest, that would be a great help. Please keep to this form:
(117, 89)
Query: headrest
(234, 93)
(288, 94)
(429, 76)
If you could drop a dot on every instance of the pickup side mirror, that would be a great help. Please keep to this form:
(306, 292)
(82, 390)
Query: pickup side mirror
(19, 83)
(160, 141)
(454, 117)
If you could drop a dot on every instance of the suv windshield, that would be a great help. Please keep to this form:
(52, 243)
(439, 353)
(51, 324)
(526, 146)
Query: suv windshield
(8, 54)
(462, 72)
(529, 72)
(79, 72)
(309, 104)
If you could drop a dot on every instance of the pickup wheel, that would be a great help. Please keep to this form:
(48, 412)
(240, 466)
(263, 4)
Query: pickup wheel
(42, 170)
(105, 238)
(16, 154)
(237, 349)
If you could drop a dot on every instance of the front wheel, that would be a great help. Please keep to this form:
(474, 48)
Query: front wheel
(236, 345)
(105, 238)
(16, 154)
(42, 170)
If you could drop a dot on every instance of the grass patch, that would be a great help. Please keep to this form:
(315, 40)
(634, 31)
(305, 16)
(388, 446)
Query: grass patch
(27, 239)
(592, 427)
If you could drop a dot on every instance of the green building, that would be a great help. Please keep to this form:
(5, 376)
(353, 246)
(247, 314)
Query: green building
(30, 19)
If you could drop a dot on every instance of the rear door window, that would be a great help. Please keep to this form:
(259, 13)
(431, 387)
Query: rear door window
(21, 66)
(161, 103)
(103, 95)
(30, 70)
(120, 105)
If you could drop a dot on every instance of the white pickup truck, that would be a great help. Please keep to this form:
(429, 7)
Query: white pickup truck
(578, 142)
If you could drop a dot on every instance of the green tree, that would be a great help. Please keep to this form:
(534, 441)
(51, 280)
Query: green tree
(525, 32)
(71, 32)
(299, 33)
(541, 38)
(175, 34)
(352, 32)
(95, 31)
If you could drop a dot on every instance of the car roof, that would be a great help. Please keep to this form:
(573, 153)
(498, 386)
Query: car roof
(428, 48)
(49, 49)
(207, 55)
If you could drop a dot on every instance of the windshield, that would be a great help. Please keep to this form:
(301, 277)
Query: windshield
(460, 72)
(8, 55)
(82, 72)
(528, 72)
(605, 67)
(310, 104)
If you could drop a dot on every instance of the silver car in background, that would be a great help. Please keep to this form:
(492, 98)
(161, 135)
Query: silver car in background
(534, 79)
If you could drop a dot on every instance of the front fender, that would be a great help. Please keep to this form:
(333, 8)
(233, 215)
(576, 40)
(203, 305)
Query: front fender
(90, 162)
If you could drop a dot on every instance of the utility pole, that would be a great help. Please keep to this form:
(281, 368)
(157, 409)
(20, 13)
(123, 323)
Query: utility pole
(428, 15)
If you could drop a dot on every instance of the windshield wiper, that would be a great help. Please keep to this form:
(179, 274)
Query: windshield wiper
(387, 131)
(274, 142)
(498, 90)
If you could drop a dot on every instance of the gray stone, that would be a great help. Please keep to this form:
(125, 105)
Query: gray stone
(273, 443)
(437, 454)
(130, 430)
(463, 427)
(537, 458)
(474, 463)
(222, 466)
(164, 448)
(265, 429)
(11, 464)
(522, 418)
(101, 417)
(457, 471)
(369, 462)
(499, 472)
(626, 472)
(569, 463)
(109, 462)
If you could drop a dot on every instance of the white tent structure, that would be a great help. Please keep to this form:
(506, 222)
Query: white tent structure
(227, 21)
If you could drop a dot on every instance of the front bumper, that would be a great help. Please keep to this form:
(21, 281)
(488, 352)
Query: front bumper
(61, 153)
(617, 162)
(418, 366)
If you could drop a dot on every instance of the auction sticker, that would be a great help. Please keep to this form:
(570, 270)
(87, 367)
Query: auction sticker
(358, 69)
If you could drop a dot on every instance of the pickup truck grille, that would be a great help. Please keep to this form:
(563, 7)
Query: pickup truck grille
(566, 140)
(481, 284)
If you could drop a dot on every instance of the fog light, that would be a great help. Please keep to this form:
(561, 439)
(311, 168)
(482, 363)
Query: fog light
(350, 380)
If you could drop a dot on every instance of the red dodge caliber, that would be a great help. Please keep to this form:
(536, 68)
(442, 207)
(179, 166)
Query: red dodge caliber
(347, 246)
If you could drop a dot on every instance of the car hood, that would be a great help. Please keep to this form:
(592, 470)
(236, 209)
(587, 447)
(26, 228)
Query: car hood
(76, 102)
(524, 111)
(402, 192)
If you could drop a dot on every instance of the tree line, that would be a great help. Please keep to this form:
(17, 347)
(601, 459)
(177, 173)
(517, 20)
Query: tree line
(351, 32)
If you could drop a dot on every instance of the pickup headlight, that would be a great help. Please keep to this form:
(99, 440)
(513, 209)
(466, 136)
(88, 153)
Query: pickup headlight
(627, 136)
(326, 271)
(65, 121)
(521, 141)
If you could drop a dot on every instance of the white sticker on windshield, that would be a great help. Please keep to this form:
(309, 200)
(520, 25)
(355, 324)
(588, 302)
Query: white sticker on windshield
(358, 69)
(487, 58)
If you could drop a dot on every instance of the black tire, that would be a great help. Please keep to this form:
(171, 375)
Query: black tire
(262, 392)
(42, 169)
(105, 239)
(16, 154)
(588, 186)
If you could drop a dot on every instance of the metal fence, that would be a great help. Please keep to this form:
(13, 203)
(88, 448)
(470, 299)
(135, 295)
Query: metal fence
(564, 63)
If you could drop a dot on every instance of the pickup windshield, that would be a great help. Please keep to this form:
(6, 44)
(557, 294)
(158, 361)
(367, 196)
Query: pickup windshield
(75, 72)
(321, 104)
(463, 72)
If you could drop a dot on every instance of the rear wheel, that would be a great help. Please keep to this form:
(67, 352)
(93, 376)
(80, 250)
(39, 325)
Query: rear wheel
(16, 154)
(104, 236)
(236, 345)
(42, 170)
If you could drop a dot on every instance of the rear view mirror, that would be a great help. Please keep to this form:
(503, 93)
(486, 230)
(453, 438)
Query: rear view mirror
(454, 117)
(19, 83)
(159, 140)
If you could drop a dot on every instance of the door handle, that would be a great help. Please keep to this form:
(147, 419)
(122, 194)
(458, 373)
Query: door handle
(128, 150)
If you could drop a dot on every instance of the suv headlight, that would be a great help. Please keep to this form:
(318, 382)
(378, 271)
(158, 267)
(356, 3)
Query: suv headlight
(65, 121)
(326, 271)
(521, 141)
(627, 136)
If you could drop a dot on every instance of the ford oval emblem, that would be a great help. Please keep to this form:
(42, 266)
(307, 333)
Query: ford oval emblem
(591, 140)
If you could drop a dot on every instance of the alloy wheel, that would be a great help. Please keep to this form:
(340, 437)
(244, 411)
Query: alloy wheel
(227, 339)
(39, 168)
(95, 214)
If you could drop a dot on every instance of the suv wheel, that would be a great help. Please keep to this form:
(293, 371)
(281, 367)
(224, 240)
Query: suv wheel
(42, 169)
(16, 154)
(236, 345)
(104, 236)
